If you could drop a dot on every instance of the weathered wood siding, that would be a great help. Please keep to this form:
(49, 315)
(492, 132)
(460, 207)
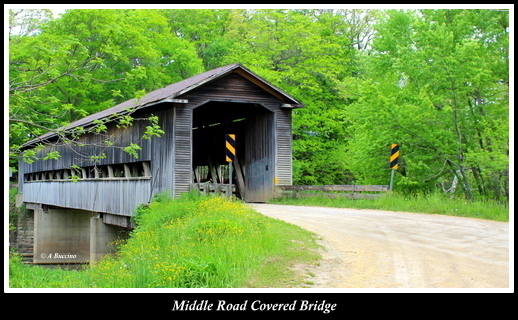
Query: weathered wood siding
(182, 150)
(94, 145)
(118, 197)
(235, 88)
(110, 196)
(283, 137)
(260, 158)
(162, 153)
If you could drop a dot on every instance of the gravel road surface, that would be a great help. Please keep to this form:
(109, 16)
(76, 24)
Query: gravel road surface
(384, 249)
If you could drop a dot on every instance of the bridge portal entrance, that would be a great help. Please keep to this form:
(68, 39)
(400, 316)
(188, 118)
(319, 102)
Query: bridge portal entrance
(254, 167)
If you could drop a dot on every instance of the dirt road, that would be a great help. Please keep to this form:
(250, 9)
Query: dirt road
(383, 249)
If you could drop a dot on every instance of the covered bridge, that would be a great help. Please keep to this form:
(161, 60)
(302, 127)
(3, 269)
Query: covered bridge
(195, 114)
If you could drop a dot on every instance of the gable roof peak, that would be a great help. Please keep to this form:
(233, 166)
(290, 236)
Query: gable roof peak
(170, 92)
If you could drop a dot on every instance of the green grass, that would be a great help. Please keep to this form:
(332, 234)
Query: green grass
(432, 203)
(213, 242)
(193, 242)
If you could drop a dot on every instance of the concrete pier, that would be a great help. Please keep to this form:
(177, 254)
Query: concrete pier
(102, 236)
(69, 236)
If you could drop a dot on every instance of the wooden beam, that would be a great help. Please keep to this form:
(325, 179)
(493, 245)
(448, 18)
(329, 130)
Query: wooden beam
(110, 171)
(195, 172)
(219, 169)
(332, 195)
(240, 178)
(127, 171)
(96, 172)
(356, 188)
(290, 106)
(147, 169)
(175, 100)
(212, 170)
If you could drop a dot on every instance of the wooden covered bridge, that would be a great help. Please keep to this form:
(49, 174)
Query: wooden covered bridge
(78, 217)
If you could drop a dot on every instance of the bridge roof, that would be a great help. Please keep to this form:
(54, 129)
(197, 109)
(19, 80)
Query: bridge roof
(168, 93)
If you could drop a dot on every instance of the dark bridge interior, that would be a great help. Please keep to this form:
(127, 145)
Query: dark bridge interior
(254, 142)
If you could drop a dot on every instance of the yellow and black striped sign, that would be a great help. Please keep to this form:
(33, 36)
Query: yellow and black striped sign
(230, 147)
(394, 156)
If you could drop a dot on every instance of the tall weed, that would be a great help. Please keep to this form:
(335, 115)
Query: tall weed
(192, 242)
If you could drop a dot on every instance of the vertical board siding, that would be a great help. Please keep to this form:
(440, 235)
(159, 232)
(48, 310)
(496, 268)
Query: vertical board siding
(183, 150)
(284, 160)
(259, 158)
(117, 197)
(162, 154)
(94, 144)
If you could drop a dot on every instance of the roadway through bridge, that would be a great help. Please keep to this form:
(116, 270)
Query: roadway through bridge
(384, 249)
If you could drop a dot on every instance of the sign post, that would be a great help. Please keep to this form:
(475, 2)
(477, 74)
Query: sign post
(230, 144)
(394, 158)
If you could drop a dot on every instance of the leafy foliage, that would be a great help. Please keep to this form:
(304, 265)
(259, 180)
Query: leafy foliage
(440, 92)
(434, 81)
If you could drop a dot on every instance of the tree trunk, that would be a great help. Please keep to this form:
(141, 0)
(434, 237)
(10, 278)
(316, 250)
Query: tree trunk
(460, 172)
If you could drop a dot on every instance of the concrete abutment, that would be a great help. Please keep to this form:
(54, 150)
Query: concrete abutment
(71, 236)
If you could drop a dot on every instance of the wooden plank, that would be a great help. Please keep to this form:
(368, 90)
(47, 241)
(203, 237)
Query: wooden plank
(216, 188)
(212, 170)
(260, 157)
(240, 178)
(331, 195)
(284, 166)
(182, 150)
(147, 170)
(342, 188)
(175, 100)
(122, 221)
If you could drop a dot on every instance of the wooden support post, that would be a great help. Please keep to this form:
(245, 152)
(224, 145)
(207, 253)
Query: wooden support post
(220, 174)
(230, 179)
(110, 171)
(96, 172)
(196, 174)
(240, 179)
(147, 169)
(127, 171)
(212, 170)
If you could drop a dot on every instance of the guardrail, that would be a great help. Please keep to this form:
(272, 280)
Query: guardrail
(331, 191)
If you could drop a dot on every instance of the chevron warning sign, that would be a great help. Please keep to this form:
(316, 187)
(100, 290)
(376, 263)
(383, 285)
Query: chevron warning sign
(394, 156)
(230, 147)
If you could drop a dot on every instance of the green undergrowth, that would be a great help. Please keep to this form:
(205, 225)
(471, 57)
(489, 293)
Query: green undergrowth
(429, 203)
(192, 242)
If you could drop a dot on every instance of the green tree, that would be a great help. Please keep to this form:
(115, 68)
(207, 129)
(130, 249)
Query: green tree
(305, 54)
(205, 29)
(86, 61)
(437, 83)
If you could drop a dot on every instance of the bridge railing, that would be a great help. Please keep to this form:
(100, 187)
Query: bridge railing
(216, 188)
(331, 191)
